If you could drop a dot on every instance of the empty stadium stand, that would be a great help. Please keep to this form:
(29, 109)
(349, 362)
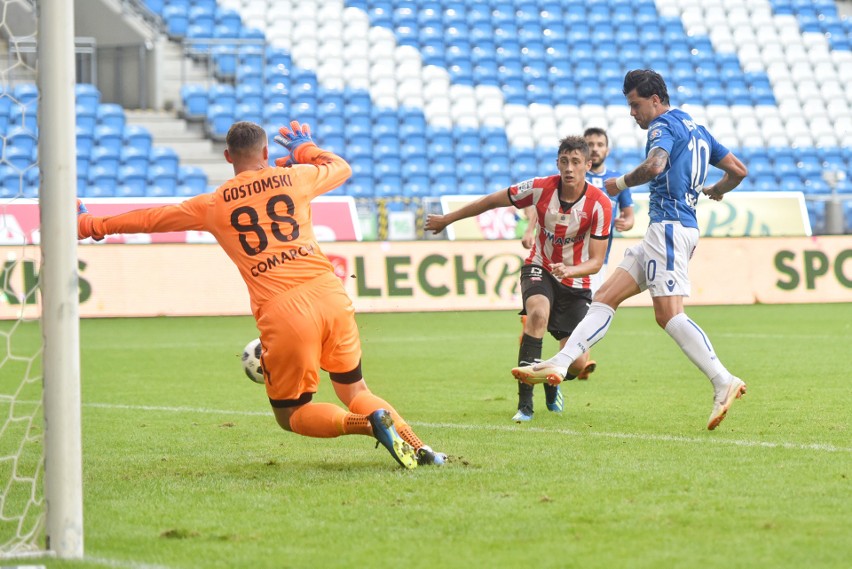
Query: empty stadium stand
(435, 97)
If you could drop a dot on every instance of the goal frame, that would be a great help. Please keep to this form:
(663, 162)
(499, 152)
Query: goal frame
(60, 314)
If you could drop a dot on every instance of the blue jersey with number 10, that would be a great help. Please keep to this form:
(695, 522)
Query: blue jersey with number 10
(692, 149)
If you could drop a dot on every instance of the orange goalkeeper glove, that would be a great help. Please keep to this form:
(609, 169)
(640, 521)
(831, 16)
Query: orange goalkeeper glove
(86, 224)
(297, 139)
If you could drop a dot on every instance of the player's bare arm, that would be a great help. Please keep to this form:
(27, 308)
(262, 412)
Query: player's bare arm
(529, 233)
(652, 167)
(437, 223)
(735, 173)
(625, 219)
(597, 253)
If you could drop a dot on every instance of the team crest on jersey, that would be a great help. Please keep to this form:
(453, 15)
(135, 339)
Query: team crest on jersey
(656, 133)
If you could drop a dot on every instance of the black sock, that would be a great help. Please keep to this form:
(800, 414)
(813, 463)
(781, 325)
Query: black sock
(529, 352)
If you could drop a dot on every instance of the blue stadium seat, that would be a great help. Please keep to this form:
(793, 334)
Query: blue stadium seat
(176, 19)
(132, 182)
(279, 57)
(155, 6)
(417, 187)
(277, 114)
(11, 182)
(165, 158)
(415, 167)
(134, 157)
(275, 151)
(388, 187)
(163, 179)
(193, 178)
(224, 59)
(106, 158)
(442, 166)
(250, 94)
(362, 167)
(334, 142)
(765, 183)
(222, 95)
(246, 112)
(25, 93)
(195, 101)
(386, 168)
(85, 141)
(219, 120)
(358, 188)
(138, 137)
(108, 136)
(30, 183)
(111, 115)
(23, 140)
(87, 96)
(472, 186)
(87, 117)
(102, 183)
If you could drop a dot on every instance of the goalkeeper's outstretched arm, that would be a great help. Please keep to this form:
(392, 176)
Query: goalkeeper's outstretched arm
(185, 216)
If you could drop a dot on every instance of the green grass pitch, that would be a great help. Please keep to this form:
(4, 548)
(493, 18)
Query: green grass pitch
(184, 466)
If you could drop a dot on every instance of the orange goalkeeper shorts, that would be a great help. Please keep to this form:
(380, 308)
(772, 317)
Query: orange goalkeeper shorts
(308, 327)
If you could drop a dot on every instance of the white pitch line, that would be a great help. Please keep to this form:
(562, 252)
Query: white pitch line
(121, 564)
(823, 447)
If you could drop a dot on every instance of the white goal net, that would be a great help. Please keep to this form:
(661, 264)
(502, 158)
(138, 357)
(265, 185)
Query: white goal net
(21, 417)
(40, 499)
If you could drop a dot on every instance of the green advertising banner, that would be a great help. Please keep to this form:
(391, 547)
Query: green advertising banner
(165, 279)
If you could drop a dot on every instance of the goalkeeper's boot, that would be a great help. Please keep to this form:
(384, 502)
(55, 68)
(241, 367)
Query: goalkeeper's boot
(524, 415)
(428, 457)
(548, 373)
(724, 398)
(386, 434)
(591, 366)
(553, 398)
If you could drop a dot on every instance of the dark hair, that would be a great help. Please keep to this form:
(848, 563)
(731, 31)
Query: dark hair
(572, 143)
(244, 137)
(647, 83)
(596, 131)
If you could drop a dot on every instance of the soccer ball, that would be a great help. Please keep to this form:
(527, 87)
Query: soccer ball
(251, 361)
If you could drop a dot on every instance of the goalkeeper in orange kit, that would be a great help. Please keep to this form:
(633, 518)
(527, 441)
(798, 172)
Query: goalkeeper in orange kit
(306, 320)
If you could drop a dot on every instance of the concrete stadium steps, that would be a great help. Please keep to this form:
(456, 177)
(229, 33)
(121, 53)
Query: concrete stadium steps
(187, 139)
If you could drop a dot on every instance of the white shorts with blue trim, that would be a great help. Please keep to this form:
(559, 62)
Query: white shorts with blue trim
(659, 263)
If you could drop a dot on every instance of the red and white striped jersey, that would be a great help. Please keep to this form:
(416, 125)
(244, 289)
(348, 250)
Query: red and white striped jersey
(564, 232)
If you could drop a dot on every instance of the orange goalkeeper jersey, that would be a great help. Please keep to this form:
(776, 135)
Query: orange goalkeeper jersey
(261, 218)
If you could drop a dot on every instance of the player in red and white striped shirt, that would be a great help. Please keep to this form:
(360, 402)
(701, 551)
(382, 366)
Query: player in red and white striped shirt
(573, 225)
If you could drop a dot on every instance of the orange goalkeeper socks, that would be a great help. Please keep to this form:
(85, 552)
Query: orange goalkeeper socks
(319, 420)
(365, 403)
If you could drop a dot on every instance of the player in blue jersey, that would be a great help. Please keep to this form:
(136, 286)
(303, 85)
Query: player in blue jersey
(679, 153)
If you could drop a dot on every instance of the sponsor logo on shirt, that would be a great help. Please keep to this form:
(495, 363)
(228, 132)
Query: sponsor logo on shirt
(550, 236)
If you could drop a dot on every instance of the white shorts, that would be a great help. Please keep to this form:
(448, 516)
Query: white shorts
(659, 262)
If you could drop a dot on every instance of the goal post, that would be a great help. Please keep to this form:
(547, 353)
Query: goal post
(60, 315)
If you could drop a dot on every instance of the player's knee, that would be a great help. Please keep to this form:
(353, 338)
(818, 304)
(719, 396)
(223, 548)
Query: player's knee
(537, 320)
(282, 416)
(662, 319)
